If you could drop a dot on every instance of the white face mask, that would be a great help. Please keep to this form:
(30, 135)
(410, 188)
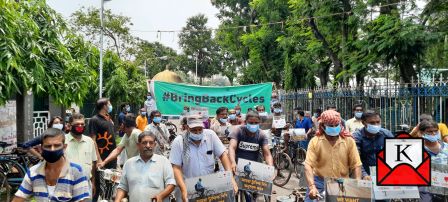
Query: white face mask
(58, 126)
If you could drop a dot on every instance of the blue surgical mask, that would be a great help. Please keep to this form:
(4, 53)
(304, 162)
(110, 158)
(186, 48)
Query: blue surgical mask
(144, 113)
(196, 137)
(333, 131)
(149, 97)
(253, 128)
(358, 115)
(431, 138)
(238, 112)
(373, 129)
(128, 109)
(232, 117)
(157, 119)
(222, 120)
(277, 110)
(109, 108)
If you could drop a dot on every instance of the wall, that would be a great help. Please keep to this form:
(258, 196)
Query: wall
(8, 127)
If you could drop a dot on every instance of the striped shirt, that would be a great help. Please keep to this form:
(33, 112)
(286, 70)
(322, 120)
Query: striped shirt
(72, 184)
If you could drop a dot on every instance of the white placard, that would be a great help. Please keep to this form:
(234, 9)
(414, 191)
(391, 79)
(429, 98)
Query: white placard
(297, 134)
(392, 192)
(279, 121)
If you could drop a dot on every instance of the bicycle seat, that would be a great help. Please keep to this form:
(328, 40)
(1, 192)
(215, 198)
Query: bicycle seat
(4, 144)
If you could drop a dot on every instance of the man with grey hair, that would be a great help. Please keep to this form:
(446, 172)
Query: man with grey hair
(193, 154)
(148, 176)
(55, 178)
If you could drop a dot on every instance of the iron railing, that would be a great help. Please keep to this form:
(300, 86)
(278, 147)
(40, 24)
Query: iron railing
(398, 104)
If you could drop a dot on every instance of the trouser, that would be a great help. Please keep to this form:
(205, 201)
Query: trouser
(319, 183)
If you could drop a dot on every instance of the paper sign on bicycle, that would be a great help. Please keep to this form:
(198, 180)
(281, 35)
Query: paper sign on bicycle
(392, 192)
(279, 121)
(297, 134)
(344, 189)
(210, 188)
(439, 179)
(254, 176)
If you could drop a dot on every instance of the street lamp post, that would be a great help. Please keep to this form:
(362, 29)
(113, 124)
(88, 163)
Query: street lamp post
(101, 49)
(196, 77)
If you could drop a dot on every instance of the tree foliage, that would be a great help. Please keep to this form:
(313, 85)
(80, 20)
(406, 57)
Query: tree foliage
(197, 44)
(39, 53)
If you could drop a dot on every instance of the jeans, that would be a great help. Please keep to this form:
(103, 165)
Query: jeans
(319, 183)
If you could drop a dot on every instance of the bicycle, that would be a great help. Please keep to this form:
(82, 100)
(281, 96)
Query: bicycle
(14, 166)
(172, 128)
(197, 194)
(298, 155)
(282, 163)
(109, 180)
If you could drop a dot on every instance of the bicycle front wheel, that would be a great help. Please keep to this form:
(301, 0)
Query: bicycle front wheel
(300, 158)
(283, 166)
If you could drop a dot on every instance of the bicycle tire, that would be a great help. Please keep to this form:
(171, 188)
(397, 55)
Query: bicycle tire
(282, 163)
(300, 158)
(14, 172)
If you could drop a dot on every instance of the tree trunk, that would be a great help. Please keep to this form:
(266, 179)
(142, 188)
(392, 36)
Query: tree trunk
(24, 116)
(331, 54)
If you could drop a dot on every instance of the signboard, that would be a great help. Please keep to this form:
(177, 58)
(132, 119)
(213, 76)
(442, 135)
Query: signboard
(210, 188)
(439, 179)
(279, 121)
(392, 192)
(172, 97)
(203, 111)
(265, 122)
(344, 189)
(8, 129)
(254, 176)
(297, 134)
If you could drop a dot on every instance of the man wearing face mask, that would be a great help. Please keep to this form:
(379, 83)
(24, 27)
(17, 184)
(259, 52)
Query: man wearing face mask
(331, 153)
(355, 123)
(246, 143)
(128, 142)
(150, 105)
(142, 120)
(159, 130)
(125, 108)
(148, 176)
(193, 154)
(220, 125)
(238, 112)
(233, 118)
(52, 179)
(370, 140)
(101, 129)
(81, 149)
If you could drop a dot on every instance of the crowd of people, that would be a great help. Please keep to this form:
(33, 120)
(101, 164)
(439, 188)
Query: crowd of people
(72, 155)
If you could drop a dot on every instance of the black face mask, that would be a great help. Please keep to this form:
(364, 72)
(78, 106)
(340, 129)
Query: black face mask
(52, 156)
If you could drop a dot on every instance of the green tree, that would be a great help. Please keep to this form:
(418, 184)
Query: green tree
(197, 44)
(116, 29)
(34, 57)
(156, 56)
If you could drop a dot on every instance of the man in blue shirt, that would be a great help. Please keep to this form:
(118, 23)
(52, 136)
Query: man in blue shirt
(305, 123)
(370, 140)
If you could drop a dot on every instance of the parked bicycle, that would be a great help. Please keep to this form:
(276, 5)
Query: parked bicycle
(282, 163)
(109, 180)
(13, 167)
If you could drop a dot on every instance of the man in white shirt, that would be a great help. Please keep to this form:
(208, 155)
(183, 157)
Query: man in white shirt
(159, 130)
(148, 176)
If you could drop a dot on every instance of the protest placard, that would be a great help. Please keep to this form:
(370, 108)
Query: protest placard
(211, 188)
(297, 134)
(392, 192)
(279, 121)
(202, 111)
(439, 179)
(344, 189)
(254, 176)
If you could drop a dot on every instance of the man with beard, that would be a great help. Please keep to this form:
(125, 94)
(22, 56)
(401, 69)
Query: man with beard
(148, 176)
